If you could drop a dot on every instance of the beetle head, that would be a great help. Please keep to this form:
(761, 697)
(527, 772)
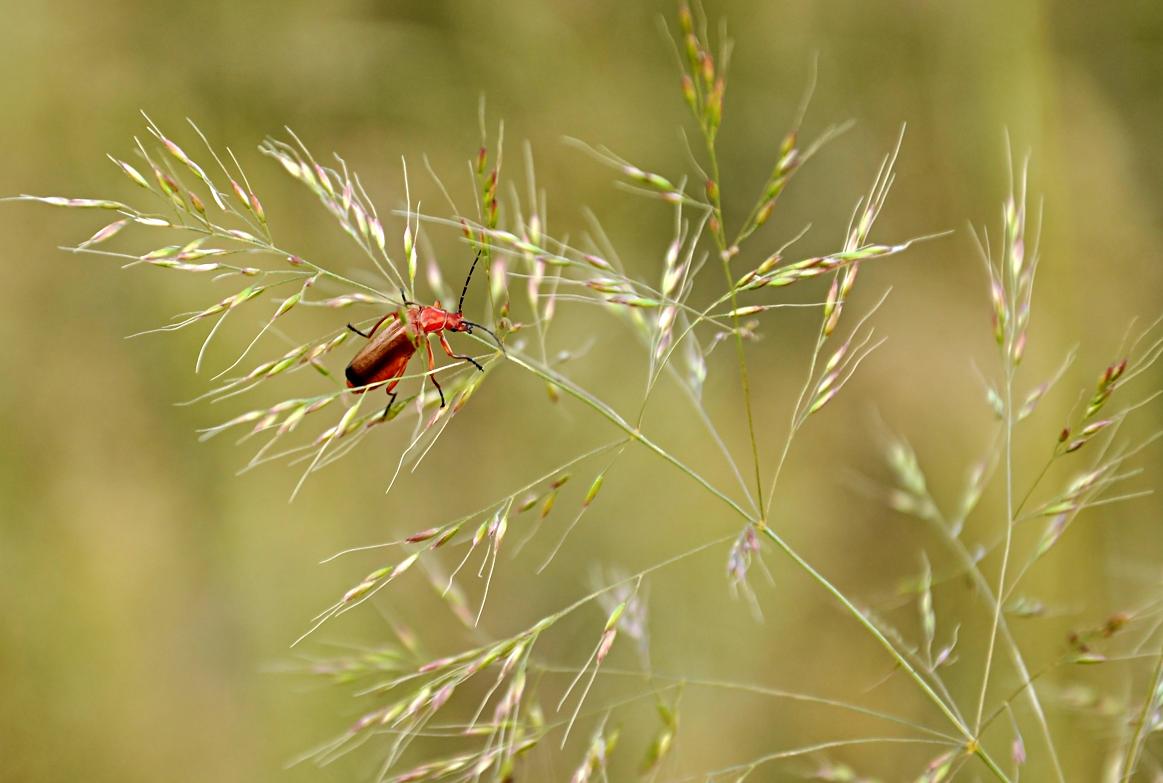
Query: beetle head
(454, 322)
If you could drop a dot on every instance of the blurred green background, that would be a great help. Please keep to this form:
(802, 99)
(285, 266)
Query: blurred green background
(149, 595)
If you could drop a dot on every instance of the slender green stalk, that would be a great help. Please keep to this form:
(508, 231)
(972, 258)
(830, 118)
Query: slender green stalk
(1009, 523)
(994, 602)
(869, 626)
(720, 234)
(1136, 746)
(570, 388)
(762, 690)
(818, 747)
(794, 424)
(613, 416)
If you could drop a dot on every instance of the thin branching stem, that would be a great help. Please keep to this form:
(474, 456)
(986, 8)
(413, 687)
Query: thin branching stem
(763, 690)
(793, 424)
(1150, 700)
(613, 416)
(719, 231)
(1010, 275)
(601, 407)
(942, 527)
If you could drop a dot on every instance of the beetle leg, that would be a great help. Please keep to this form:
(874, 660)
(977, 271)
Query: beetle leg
(390, 388)
(377, 325)
(391, 402)
(432, 366)
(448, 350)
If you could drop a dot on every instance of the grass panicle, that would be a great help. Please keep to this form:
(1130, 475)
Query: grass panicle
(478, 713)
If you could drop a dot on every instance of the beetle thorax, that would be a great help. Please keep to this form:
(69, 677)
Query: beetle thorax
(435, 319)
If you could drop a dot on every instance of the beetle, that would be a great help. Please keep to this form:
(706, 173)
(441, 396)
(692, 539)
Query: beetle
(394, 339)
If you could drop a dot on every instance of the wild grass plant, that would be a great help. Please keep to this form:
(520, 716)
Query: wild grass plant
(498, 706)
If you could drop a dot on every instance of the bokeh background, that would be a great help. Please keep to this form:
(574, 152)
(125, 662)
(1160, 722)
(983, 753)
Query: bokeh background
(149, 595)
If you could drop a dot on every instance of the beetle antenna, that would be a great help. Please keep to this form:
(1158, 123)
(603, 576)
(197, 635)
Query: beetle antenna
(490, 333)
(463, 291)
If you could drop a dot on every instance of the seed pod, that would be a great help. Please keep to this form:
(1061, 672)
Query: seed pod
(605, 644)
(685, 20)
(547, 506)
(105, 233)
(689, 94)
(592, 493)
(764, 212)
(673, 270)
(131, 172)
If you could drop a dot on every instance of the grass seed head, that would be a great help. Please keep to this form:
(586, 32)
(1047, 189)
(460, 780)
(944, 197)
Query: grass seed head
(107, 232)
(134, 175)
(547, 506)
(687, 85)
(592, 492)
(938, 769)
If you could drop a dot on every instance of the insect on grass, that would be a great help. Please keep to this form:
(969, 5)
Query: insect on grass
(394, 339)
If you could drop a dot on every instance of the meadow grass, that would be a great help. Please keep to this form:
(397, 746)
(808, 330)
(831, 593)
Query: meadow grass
(486, 709)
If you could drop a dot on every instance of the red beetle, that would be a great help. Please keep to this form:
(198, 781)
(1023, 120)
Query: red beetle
(389, 349)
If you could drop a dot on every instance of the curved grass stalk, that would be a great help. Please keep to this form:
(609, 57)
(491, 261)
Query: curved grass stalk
(725, 254)
(747, 768)
(1007, 543)
(615, 418)
(970, 567)
(762, 690)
